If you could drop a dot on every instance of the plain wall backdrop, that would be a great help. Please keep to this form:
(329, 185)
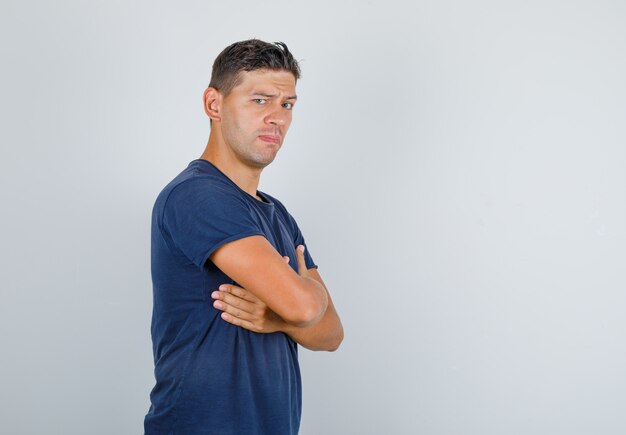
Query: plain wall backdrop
(457, 168)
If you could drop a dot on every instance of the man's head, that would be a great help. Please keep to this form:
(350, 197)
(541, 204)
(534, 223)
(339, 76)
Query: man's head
(250, 97)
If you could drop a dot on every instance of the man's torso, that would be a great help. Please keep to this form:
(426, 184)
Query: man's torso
(211, 376)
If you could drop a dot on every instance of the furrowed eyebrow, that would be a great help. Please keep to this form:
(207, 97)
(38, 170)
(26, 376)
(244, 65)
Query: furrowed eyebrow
(261, 94)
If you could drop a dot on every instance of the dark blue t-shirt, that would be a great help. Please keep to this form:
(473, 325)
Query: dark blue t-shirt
(213, 377)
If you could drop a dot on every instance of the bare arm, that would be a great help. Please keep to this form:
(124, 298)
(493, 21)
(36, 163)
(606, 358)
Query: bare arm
(240, 307)
(297, 298)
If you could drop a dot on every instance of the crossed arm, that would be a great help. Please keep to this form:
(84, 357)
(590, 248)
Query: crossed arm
(273, 297)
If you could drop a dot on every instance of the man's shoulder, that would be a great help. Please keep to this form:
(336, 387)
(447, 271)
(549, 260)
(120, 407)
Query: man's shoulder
(195, 180)
(195, 188)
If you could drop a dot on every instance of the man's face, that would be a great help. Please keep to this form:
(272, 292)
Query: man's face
(256, 115)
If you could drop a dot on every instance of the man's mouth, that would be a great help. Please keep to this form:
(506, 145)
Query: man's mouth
(270, 138)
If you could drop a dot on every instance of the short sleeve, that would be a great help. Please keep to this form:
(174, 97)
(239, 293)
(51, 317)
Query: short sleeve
(298, 238)
(203, 214)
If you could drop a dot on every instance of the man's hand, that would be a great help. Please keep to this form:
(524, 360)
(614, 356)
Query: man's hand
(242, 308)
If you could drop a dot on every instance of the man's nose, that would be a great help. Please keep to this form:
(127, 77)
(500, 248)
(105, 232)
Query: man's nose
(277, 117)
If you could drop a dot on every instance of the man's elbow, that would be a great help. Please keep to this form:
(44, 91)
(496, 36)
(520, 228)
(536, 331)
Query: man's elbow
(330, 343)
(334, 344)
(306, 315)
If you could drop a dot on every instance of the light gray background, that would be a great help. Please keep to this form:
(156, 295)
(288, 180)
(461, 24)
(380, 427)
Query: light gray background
(458, 170)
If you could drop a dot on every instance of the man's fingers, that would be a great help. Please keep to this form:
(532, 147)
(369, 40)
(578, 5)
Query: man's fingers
(227, 302)
(302, 270)
(286, 258)
(232, 310)
(239, 322)
(253, 316)
(240, 292)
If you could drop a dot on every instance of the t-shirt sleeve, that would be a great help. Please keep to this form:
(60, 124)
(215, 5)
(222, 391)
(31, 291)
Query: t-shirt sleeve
(201, 215)
(299, 240)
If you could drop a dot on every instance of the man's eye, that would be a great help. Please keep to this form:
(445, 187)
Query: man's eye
(260, 100)
(288, 106)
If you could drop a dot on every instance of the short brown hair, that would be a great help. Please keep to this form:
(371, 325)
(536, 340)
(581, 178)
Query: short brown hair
(250, 55)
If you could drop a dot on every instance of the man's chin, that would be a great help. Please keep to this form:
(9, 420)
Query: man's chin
(261, 162)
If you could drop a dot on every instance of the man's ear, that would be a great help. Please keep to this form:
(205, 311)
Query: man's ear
(213, 103)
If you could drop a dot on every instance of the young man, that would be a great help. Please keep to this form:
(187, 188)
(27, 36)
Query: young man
(234, 287)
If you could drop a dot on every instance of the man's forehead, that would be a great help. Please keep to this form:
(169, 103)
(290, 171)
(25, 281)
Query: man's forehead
(266, 78)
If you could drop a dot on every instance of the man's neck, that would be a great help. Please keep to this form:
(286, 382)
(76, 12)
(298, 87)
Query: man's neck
(245, 177)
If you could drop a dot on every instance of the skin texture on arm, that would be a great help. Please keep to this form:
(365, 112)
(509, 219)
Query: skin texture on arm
(240, 307)
(253, 262)
(327, 334)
